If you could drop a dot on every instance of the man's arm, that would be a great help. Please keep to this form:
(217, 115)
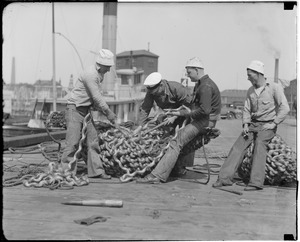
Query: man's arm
(205, 104)
(100, 104)
(247, 109)
(145, 108)
(281, 102)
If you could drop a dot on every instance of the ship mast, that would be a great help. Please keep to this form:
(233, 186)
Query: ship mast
(53, 60)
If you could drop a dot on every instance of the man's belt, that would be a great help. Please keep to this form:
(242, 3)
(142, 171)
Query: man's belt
(261, 121)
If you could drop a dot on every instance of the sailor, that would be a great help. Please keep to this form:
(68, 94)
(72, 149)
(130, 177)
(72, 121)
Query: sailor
(86, 94)
(166, 95)
(205, 113)
(264, 109)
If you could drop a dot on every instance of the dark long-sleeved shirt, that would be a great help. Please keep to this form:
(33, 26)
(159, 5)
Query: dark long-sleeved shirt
(270, 105)
(206, 100)
(173, 96)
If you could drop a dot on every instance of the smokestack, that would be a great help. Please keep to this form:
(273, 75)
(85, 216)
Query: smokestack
(109, 40)
(71, 83)
(276, 70)
(13, 72)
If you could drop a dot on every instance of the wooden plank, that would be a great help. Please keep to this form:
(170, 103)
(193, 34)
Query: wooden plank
(130, 221)
(177, 210)
(165, 227)
(211, 210)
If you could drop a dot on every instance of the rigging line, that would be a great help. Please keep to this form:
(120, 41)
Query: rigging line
(41, 42)
(94, 45)
(66, 29)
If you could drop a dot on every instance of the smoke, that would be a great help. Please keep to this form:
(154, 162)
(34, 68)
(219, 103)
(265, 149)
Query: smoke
(268, 41)
(258, 23)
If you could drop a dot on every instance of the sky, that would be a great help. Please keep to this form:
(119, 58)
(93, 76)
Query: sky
(225, 36)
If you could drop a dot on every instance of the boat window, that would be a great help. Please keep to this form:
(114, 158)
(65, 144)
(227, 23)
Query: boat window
(124, 80)
(137, 79)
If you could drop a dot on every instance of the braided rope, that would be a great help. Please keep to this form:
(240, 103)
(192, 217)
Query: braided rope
(76, 155)
(58, 176)
(132, 155)
(129, 176)
(280, 164)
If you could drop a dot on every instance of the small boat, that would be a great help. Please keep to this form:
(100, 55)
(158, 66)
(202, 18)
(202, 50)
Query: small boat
(13, 130)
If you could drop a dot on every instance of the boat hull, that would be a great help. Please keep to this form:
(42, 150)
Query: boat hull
(12, 131)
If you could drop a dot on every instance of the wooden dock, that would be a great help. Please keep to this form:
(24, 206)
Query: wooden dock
(176, 210)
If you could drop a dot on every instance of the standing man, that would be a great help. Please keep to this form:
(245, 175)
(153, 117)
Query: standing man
(206, 108)
(87, 94)
(167, 95)
(265, 108)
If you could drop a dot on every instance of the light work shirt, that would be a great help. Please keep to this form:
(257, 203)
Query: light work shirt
(269, 105)
(87, 90)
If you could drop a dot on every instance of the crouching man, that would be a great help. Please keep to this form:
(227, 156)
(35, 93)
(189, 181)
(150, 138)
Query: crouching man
(206, 108)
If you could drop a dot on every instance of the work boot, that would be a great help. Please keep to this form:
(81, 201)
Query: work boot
(150, 179)
(179, 172)
(252, 188)
(217, 184)
(102, 176)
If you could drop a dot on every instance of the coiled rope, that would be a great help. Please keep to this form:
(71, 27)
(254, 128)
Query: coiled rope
(58, 176)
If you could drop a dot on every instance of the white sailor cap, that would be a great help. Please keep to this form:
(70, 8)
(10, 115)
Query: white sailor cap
(153, 79)
(105, 57)
(257, 66)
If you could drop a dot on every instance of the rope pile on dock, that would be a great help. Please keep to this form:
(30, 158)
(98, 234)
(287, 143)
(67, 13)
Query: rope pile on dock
(56, 119)
(24, 172)
(57, 176)
(124, 155)
(281, 163)
(127, 156)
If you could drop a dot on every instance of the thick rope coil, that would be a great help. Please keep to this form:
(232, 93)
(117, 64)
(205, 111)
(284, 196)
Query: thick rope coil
(59, 177)
(127, 177)
(132, 155)
(54, 178)
(56, 119)
(280, 163)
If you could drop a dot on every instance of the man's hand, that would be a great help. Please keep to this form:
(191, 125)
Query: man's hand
(245, 131)
(117, 126)
(111, 116)
(170, 120)
(173, 113)
(137, 130)
(269, 126)
(161, 118)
